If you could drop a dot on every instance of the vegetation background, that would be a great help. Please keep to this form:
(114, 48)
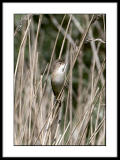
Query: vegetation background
(38, 41)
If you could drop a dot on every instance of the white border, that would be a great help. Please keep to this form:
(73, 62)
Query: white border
(111, 120)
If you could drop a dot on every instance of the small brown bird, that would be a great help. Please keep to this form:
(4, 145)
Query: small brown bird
(58, 76)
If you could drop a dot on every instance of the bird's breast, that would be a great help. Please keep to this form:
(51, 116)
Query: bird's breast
(58, 78)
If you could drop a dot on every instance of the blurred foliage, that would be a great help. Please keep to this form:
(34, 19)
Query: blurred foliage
(50, 31)
(46, 40)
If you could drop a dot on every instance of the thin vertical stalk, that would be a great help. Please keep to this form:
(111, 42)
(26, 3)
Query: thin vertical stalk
(66, 111)
(65, 37)
(21, 45)
(70, 88)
